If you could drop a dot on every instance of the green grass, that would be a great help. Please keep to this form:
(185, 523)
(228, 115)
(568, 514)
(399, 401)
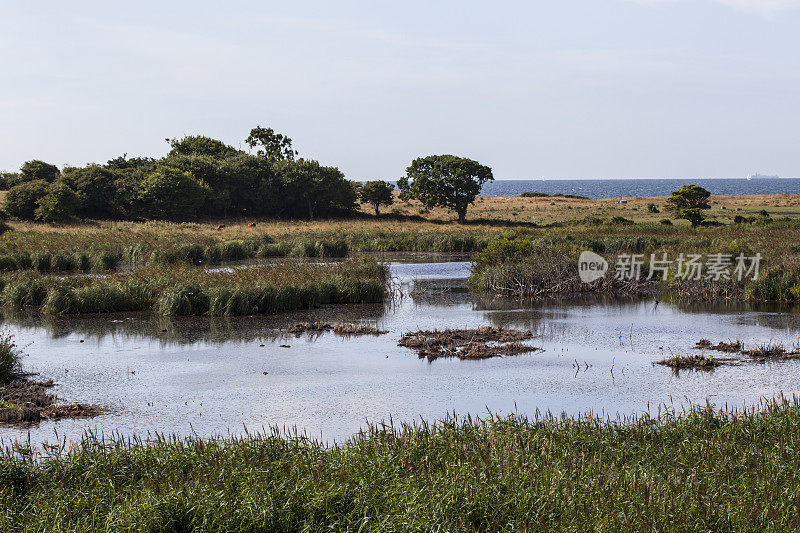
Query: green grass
(10, 359)
(523, 265)
(184, 290)
(703, 471)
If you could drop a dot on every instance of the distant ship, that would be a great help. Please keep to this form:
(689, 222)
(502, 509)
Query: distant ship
(761, 177)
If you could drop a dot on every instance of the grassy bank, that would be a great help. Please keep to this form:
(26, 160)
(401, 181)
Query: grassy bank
(521, 265)
(192, 291)
(701, 472)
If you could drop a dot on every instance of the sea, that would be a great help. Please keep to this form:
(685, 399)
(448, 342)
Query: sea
(631, 188)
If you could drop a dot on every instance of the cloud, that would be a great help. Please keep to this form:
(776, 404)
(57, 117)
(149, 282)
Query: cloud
(765, 7)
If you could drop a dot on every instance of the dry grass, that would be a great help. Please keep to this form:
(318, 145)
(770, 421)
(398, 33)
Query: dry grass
(26, 401)
(480, 343)
(345, 329)
(695, 362)
(546, 210)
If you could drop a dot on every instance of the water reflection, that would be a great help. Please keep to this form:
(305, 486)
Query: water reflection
(213, 376)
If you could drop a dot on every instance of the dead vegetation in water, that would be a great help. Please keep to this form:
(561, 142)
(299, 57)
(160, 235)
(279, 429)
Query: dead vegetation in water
(25, 401)
(694, 362)
(762, 352)
(342, 328)
(481, 343)
(727, 347)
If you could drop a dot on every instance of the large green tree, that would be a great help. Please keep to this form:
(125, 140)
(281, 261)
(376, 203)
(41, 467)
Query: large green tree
(311, 190)
(273, 146)
(445, 181)
(98, 188)
(377, 193)
(688, 203)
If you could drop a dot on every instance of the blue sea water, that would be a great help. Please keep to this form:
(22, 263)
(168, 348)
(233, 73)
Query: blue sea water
(612, 188)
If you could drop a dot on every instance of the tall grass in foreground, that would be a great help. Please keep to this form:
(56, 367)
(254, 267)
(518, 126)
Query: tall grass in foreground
(10, 359)
(193, 291)
(701, 472)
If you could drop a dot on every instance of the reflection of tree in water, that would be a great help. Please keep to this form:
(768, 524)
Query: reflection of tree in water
(189, 330)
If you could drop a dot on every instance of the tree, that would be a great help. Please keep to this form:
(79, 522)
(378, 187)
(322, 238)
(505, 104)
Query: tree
(377, 193)
(200, 145)
(273, 146)
(98, 188)
(170, 194)
(59, 204)
(688, 203)
(310, 189)
(21, 199)
(445, 181)
(39, 170)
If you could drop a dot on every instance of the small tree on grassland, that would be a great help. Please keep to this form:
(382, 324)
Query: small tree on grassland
(377, 193)
(688, 203)
(445, 181)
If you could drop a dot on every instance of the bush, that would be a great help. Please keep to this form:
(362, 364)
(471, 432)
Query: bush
(58, 205)
(39, 170)
(169, 194)
(21, 200)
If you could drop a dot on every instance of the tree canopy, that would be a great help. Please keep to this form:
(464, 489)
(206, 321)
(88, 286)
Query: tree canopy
(688, 203)
(445, 181)
(377, 193)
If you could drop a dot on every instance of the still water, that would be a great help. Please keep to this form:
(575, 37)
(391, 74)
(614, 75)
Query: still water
(207, 377)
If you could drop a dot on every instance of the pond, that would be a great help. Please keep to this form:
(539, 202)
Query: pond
(220, 377)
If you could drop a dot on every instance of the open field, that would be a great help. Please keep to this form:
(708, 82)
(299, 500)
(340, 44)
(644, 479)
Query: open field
(704, 471)
(437, 231)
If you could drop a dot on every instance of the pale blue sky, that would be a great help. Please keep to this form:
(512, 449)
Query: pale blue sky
(561, 89)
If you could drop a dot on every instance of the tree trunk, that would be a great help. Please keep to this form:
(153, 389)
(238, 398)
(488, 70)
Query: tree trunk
(377, 212)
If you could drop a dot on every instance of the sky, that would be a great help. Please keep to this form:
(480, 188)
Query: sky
(556, 89)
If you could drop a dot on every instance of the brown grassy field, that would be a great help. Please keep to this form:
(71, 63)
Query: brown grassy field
(488, 217)
(550, 209)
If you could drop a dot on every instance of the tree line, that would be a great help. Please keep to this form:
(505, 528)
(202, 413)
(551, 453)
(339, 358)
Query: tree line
(202, 177)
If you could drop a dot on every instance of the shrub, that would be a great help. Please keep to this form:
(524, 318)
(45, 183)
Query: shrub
(58, 205)
(169, 194)
(39, 170)
(21, 200)
(666, 222)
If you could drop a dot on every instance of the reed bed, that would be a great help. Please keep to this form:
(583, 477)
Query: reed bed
(184, 290)
(344, 329)
(696, 471)
(548, 266)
